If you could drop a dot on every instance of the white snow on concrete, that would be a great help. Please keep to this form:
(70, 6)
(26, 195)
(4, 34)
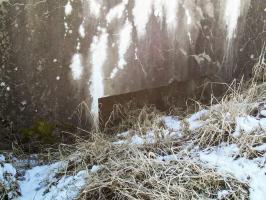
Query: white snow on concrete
(116, 12)
(125, 40)
(231, 16)
(98, 57)
(76, 66)
(82, 32)
(141, 12)
(189, 19)
(68, 9)
(167, 9)
(94, 8)
(171, 8)
(159, 9)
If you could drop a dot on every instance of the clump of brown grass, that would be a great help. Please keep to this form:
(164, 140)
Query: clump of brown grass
(129, 173)
(240, 100)
(134, 172)
(138, 119)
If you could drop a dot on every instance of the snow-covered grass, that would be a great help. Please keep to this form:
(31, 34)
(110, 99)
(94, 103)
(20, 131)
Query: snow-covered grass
(47, 182)
(219, 152)
(8, 183)
(251, 172)
(134, 173)
(162, 161)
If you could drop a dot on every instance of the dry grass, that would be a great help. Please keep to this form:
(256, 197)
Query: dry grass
(240, 100)
(138, 119)
(134, 172)
(131, 173)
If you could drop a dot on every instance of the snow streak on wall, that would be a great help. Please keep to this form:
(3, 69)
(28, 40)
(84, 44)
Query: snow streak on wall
(135, 44)
(98, 56)
(232, 12)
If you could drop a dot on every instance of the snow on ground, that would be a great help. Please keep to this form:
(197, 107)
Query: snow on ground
(173, 130)
(67, 188)
(252, 172)
(224, 158)
(195, 121)
(263, 124)
(172, 123)
(41, 182)
(37, 179)
(68, 8)
(246, 125)
(7, 179)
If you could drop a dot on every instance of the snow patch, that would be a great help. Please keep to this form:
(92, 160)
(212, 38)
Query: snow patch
(36, 179)
(95, 8)
(2, 158)
(195, 121)
(82, 32)
(223, 194)
(260, 148)
(263, 124)
(137, 140)
(98, 55)
(116, 12)
(76, 66)
(8, 180)
(263, 113)
(124, 134)
(68, 9)
(124, 43)
(232, 13)
(167, 9)
(141, 12)
(68, 187)
(171, 8)
(251, 172)
(246, 125)
(172, 123)
(95, 168)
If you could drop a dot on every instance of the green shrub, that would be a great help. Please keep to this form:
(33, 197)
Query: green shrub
(42, 131)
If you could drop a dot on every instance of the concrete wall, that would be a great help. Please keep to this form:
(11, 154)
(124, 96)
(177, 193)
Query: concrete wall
(66, 52)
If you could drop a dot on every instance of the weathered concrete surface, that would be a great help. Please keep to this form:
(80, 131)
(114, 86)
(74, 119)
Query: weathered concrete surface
(38, 77)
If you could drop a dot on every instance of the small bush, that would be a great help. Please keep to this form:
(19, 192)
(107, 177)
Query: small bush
(41, 130)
